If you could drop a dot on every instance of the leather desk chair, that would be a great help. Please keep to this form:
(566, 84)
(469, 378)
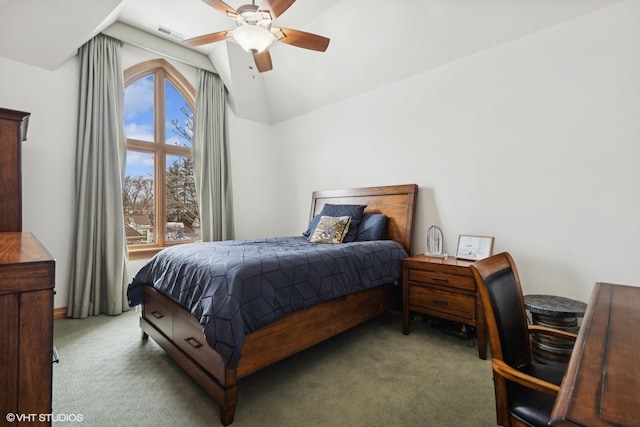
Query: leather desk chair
(525, 391)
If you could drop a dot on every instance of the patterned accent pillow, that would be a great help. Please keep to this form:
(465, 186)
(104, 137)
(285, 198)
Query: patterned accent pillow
(331, 229)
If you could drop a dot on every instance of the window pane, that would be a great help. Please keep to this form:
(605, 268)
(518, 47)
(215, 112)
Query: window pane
(183, 222)
(179, 118)
(138, 110)
(138, 198)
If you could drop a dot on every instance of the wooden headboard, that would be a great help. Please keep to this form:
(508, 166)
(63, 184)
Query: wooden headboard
(397, 202)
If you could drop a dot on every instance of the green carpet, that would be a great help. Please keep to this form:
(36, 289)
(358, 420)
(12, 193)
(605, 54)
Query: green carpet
(371, 375)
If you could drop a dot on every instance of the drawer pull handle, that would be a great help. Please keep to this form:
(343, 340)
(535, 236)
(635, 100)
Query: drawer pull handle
(439, 279)
(157, 314)
(193, 342)
(440, 301)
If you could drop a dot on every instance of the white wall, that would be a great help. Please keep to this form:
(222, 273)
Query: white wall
(259, 197)
(48, 156)
(535, 142)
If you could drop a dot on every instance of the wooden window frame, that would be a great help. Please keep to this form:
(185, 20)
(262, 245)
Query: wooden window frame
(162, 71)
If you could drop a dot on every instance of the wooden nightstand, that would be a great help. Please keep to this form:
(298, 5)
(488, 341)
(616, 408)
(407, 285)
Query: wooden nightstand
(443, 288)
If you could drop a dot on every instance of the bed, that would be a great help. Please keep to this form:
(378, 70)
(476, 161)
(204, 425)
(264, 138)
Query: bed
(188, 322)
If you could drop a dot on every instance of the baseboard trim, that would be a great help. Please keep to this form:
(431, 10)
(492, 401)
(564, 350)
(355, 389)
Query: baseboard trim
(59, 313)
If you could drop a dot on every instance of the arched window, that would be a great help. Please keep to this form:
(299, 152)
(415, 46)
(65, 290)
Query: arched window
(158, 189)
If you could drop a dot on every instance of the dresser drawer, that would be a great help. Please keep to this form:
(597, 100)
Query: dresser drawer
(442, 279)
(157, 311)
(440, 300)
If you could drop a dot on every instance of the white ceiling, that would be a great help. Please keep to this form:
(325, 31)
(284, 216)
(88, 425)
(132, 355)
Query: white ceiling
(373, 42)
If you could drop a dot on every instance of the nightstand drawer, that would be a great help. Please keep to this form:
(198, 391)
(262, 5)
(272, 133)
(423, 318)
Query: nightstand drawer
(435, 299)
(442, 279)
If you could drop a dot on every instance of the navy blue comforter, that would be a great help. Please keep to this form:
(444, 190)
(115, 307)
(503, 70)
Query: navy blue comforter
(234, 287)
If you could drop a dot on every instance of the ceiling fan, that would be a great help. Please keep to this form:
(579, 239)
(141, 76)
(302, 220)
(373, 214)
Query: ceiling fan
(255, 33)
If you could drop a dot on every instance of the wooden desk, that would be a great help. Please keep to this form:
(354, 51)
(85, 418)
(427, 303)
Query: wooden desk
(602, 383)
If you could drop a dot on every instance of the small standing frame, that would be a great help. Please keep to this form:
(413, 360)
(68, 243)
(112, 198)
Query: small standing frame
(474, 247)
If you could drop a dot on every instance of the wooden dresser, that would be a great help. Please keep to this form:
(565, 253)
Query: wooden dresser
(27, 277)
(11, 127)
(26, 325)
(444, 288)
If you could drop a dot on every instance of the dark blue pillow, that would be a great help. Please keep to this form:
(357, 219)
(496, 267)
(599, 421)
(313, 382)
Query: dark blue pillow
(354, 211)
(312, 226)
(372, 227)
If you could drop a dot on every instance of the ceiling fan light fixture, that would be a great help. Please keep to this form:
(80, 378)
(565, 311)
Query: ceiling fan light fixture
(253, 38)
(254, 32)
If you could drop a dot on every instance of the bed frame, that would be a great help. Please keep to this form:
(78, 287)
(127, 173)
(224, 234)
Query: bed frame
(181, 336)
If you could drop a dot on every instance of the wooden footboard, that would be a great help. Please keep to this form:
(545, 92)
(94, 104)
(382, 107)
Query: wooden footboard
(180, 335)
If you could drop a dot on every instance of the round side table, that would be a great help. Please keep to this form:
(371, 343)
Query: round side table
(558, 313)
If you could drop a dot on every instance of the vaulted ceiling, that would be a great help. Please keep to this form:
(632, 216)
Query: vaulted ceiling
(373, 42)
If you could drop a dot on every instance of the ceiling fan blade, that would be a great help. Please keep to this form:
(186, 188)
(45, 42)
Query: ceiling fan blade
(222, 7)
(207, 38)
(263, 61)
(301, 39)
(275, 7)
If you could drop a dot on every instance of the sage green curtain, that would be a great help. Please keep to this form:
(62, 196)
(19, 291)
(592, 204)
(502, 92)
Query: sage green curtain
(211, 158)
(99, 260)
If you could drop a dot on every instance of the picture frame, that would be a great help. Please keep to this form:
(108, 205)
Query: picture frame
(474, 248)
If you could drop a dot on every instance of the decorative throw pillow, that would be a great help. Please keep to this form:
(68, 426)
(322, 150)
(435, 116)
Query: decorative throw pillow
(354, 211)
(331, 229)
(372, 227)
